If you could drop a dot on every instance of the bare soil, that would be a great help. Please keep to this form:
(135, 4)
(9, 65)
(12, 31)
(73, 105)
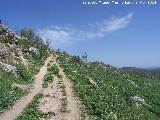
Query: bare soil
(25, 100)
(53, 96)
(53, 100)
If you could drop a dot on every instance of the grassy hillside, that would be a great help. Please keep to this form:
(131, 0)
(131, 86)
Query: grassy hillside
(20, 60)
(107, 93)
(111, 93)
(9, 93)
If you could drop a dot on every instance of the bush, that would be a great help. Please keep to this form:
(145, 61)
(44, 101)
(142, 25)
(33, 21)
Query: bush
(9, 94)
(54, 70)
(76, 59)
(28, 33)
(47, 79)
(24, 74)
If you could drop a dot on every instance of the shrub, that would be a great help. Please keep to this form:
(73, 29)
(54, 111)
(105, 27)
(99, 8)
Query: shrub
(24, 74)
(76, 59)
(9, 94)
(47, 79)
(54, 70)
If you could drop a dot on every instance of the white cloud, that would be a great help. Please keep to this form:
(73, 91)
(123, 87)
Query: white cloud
(117, 23)
(67, 35)
(58, 36)
(101, 29)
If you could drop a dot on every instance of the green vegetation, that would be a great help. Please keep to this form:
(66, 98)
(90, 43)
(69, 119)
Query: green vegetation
(63, 91)
(32, 111)
(108, 93)
(119, 95)
(47, 79)
(24, 74)
(27, 33)
(64, 105)
(34, 63)
(8, 93)
(36, 60)
(54, 70)
(64, 99)
(148, 74)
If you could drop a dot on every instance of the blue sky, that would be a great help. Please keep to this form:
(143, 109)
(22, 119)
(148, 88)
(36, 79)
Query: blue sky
(121, 35)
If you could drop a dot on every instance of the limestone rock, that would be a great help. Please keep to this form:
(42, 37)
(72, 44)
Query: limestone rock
(9, 69)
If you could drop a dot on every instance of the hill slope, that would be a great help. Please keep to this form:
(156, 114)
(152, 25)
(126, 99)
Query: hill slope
(20, 60)
(111, 93)
(100, 91)
(25, 94)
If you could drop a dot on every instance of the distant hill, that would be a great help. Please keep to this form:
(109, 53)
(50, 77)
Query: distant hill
(112, 93)
(154, 69)
(141, 69)
(148, 73)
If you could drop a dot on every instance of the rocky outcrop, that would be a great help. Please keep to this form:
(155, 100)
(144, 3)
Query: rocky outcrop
(33, 50)
(9, 69)
(19, 37)
(5, 55)
(6, 34)
(3, 52)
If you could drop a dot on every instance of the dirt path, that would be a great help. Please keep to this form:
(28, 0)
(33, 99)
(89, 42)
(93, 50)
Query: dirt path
(52, 99)
(73, 105)
(57, 95)
(56, 99)
(24, 101)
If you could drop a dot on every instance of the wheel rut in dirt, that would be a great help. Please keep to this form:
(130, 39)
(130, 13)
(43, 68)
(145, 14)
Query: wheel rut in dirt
(19, 106)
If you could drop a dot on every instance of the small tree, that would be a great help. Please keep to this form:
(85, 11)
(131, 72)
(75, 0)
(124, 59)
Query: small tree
(85, 56)
(58, 50)
(48, 42)
(76, 59)
(28, 33)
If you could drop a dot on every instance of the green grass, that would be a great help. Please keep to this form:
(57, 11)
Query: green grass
(54, 70)
(32, 111)
(47, 79)
(64, 105)
(64, 99)
(113, 95)
(34, 63)
(9, 94)
(24, 73)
